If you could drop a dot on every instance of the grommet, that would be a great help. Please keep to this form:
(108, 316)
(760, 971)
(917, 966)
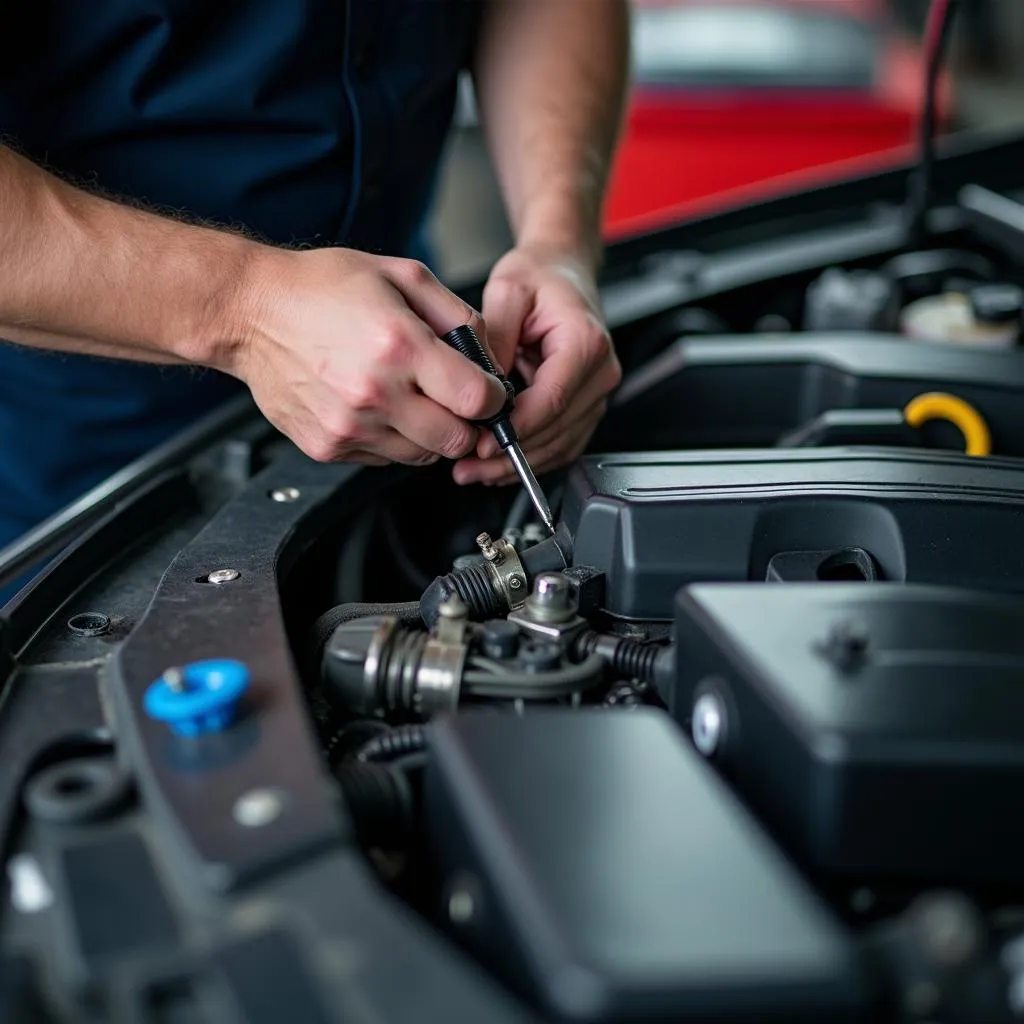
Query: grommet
(77, 790)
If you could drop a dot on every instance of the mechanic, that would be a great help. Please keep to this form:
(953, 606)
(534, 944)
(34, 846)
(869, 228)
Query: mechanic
(196, 197)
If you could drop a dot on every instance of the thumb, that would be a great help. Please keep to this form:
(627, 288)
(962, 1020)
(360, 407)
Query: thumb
(506, 305)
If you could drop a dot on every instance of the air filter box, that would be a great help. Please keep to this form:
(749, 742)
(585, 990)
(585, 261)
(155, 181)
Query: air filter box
(878, 730)
(594, 861)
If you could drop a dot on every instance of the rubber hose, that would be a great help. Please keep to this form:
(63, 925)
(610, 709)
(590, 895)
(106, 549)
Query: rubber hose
(395, 743)
(628, 658)
(380, 801)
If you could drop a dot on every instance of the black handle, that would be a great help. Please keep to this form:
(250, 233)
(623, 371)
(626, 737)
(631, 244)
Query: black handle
(464, 340)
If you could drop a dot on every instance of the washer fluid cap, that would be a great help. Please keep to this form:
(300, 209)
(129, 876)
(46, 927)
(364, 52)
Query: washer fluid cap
(199, 697)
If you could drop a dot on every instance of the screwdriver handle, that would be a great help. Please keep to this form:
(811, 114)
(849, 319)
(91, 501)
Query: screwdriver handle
(464, 340)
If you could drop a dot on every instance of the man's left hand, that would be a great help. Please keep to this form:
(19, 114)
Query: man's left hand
(543, 316)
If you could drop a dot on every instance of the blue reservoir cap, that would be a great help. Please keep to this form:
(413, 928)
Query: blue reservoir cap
(199, 697)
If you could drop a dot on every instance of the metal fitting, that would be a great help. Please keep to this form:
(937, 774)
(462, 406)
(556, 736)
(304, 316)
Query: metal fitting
(507, 575)
(375, 665)
(551, 610)
(452, 617)
(488, 548)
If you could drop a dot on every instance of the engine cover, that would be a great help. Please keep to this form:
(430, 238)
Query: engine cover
(877, 729)
(656, 521)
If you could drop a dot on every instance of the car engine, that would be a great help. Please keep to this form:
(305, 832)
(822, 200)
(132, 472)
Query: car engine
(741, 741)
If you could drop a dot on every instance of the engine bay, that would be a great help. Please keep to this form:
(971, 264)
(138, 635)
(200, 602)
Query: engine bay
(741, 741)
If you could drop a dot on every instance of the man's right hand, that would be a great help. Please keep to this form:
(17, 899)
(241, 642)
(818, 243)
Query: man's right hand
(342, 353)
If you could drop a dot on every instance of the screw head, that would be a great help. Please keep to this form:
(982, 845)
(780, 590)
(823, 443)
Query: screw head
(708, 722)
(515, 582)
(223, 576)
(285, 494)
(258, 807)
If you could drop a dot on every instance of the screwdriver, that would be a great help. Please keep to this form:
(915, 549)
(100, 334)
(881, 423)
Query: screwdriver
(464, 340)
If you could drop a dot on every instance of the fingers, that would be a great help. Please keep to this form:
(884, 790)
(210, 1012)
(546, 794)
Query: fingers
(559, 449)
(433, 428)
(438, 307)
(455, 383)
(507, 303)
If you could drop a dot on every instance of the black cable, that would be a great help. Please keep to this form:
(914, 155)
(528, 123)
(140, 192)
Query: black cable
(937, 35)
(535, 686)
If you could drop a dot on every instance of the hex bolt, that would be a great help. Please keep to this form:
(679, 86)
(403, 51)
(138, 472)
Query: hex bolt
(285, 494)
(708, 723)
(258, 807)
(223, 576)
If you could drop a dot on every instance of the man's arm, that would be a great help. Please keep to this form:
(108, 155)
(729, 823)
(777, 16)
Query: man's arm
(551, 81)
(340, 349)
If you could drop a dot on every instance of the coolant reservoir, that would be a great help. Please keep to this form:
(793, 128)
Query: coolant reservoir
(985, 316)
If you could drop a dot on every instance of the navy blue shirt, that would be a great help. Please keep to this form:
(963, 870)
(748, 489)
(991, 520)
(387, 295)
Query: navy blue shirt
(305, 121)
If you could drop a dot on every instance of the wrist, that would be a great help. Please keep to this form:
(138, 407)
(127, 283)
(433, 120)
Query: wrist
(232, 297)
(567, 227)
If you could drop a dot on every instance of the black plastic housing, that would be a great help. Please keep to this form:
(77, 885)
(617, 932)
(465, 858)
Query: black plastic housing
(614, 877)
(878, 730)
(654, 522)
(736, 392)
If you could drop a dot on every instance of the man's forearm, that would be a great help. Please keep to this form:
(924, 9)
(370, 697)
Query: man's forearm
(551, 78)
(83, 274)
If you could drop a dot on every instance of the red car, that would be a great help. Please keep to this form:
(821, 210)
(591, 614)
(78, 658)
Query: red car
(732, 92)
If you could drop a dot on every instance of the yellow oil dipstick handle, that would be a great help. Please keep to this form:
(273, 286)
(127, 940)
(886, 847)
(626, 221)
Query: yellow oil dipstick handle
(936, 405)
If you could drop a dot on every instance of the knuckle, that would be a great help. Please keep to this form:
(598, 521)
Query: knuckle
(342, 430)
(393, 345)
(558, 399)
(321, 449)
(461, 441)
(415, 272)
(363, 394)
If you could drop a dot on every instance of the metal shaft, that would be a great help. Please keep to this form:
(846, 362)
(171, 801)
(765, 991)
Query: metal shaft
(522, 467)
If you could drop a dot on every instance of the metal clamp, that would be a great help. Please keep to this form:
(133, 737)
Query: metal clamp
(508, 577)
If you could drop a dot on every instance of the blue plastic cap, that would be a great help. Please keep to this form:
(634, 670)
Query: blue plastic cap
(201, 697)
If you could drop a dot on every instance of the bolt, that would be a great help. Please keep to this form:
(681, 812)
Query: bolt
(460, 906)
(487, 548)
(223, 576)
(286, 494)
(551, 589)
(258, 807)
(847, 645)
(175, 680)
(708, 720)
(515, 582)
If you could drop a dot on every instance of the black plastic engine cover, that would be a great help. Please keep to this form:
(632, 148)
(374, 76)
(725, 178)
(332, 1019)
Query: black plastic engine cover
(654, 522)
(737, 391)
(597, 863)
(878, 730)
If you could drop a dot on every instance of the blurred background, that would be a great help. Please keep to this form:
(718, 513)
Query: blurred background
(736, 99)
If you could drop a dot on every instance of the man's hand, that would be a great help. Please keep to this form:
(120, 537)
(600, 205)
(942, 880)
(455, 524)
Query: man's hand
(543, 316)
(342, 352)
